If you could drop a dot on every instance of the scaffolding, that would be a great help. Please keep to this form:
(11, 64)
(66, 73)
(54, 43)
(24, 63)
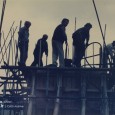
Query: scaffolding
(52, 90)
(59, 91)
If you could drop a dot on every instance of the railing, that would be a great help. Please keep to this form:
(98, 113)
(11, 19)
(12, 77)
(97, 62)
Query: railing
(89, 61)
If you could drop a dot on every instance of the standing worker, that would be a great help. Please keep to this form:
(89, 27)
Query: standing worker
(40, 48)
(110, 52)
(80, 42)
(59, 37)
(23, 41)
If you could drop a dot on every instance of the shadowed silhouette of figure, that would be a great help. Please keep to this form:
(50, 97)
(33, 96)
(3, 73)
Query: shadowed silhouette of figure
(80, 42)
(109, 52)
(40, 48)
(23, 40)
(59, 37)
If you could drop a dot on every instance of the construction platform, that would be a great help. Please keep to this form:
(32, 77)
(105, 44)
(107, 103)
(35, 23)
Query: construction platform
(58, 91)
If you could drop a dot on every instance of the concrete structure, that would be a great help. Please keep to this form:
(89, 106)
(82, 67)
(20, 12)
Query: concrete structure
(65, 91)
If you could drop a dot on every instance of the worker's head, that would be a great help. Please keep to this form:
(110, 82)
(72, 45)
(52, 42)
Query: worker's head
(88, 26)
(45, 37)
(27, 24)
(113, 43)
(65, 22)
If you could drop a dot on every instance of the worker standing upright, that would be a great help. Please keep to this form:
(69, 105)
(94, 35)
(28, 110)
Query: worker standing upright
(23, 41)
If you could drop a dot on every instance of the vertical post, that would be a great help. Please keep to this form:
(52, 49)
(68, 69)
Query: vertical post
(100, 58)
(47, 87)
(75, 23)
(103, 35)
(4, 90)
(105, 107)
(73, 48)
(1, 108)
(2, 16)
(99, 22)
(57, 102)
(83, 95)
(30, 106)
(93, 55)
(16, 54)
(85, 60)
(0, 39)
(6, 38)
(18, 42)
(40, 54)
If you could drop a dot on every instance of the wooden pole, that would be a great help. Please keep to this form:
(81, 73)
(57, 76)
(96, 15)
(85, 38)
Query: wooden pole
(16, 55)
(6, 38)
(57, 102)
(47, 88)
(83, 95)
(2, 16)
(105, 107)
(8, 44)
(104, 52)
(75, 24)
(99, 22)
(30, 105)
(5, 45)
(16, 45)
(40, 53)
(103, 36)
(73, 48)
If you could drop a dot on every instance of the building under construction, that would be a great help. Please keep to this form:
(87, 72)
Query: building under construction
(89, 90)
(59, 91)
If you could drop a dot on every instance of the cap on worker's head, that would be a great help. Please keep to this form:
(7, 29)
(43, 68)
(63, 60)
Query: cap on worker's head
(45, 36)
(88, 25)
(27, 23)
(113, 43)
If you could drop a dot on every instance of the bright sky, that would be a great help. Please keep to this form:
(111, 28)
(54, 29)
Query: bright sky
(45, 15)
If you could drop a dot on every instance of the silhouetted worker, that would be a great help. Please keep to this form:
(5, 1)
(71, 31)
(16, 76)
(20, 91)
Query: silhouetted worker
(40, 48)
(110, 52)
(80, 42)
(59, 37)
(23, 41)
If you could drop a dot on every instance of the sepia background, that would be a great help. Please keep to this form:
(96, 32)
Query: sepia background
(45, 15)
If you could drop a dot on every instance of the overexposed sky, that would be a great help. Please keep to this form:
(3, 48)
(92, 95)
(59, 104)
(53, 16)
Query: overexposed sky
(45, 15)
